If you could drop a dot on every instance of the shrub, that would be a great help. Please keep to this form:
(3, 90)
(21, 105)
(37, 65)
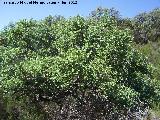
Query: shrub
(86, 62)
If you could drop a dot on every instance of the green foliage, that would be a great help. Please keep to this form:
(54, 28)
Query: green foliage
(146, 26)
(151, 52)
(74, 57)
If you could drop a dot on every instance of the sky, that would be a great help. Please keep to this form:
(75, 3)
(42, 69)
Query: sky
(127, 8)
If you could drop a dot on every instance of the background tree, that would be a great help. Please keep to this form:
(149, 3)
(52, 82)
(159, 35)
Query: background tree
(146, 26)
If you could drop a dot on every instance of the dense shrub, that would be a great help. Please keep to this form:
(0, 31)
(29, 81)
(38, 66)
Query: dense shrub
(81, 68)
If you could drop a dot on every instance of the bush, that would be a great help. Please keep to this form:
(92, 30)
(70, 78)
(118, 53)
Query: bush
(86, 62)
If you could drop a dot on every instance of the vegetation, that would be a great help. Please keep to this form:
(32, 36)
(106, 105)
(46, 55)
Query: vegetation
(79, 68)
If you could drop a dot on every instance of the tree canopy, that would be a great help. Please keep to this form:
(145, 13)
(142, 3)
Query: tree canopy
(92, 61)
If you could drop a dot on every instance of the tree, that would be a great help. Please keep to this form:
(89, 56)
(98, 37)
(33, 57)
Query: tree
(146, 26)
(111, 12)
(86, 62)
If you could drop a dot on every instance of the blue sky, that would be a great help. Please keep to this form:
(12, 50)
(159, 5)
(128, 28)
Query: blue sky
(127, 8)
